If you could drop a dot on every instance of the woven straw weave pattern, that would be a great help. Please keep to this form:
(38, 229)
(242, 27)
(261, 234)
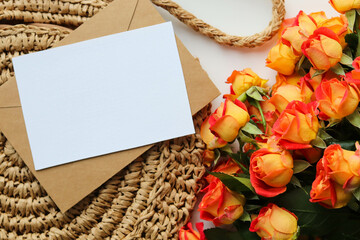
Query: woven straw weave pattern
(150, 199)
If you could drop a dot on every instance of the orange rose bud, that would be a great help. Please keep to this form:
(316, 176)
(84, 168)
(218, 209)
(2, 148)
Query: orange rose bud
(285, 94)
(208, 157)
(227, 120)
(241, 81)
(274, 222)
(337, 99)
(228, 167)
(326, 192)
(297, 125)
(323, 49)
(343, 6)
(281, 58)
(188, 233)
(343, 165)
(221, 205)
(271, 170)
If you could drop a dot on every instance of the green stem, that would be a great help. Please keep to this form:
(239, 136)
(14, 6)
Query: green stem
(356, 28)
(262, 115)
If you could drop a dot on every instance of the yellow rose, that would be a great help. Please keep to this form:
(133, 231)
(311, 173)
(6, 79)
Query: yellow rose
(274, 222)
(343, 6)
(281, 58)
(285, 80)
(224, 124)
(303, 27)
(241, 81)
(285, 94)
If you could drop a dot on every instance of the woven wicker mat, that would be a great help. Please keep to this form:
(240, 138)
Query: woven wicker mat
(150, 199)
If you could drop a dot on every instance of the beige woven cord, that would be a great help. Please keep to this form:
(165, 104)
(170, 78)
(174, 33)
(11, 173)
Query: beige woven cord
(278, 12)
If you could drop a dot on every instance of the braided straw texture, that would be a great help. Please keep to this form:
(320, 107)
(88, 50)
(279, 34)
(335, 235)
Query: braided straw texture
(150, 199)
(74, 12)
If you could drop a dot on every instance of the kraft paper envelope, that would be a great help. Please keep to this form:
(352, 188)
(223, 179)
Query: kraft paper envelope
(68, 184)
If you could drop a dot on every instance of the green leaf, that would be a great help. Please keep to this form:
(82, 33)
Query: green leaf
(254, 93)
(236, 184)
(317, 73)
(318, 142)
(351, 16)
(300, 165)
(346, 60)
(352, 40)
(249, 207)
(356, 194)
(324, 135)
(251, 128)
(245, 217)
(246, 139)
(338, 69)
(348, 145)
(295, 181)
(354, 118)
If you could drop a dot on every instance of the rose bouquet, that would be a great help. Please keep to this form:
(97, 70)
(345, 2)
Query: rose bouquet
(284, 162)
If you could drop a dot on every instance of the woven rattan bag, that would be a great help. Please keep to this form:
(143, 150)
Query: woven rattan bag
(150, 199)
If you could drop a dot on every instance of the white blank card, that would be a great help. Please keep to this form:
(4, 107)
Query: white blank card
(103, 95)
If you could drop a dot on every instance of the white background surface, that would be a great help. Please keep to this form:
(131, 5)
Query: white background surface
(237, 17)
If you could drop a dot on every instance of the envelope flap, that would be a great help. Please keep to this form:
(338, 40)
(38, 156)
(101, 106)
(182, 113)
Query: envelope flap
(113, 19)
(9, 95)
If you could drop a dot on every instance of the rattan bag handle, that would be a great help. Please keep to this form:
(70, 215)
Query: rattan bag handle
(278, 14)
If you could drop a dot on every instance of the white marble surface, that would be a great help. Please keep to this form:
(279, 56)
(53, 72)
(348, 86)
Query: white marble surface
(237, 17)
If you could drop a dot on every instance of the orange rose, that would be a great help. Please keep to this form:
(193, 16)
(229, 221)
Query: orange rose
(285, 94)
(354, 75)
(224, 124)
(309, 84)
(281, 58)
(188, 233)
(274, 222)
(270, 171)
(343, 6)
(221, 205)
(210, 139)
(323, 49)
(285, 80)
(228, 167)
(336, 98)
(294, 36)
(338, 25)
(326, 192)
(241, 81)
(343, 165)
(297, 125)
